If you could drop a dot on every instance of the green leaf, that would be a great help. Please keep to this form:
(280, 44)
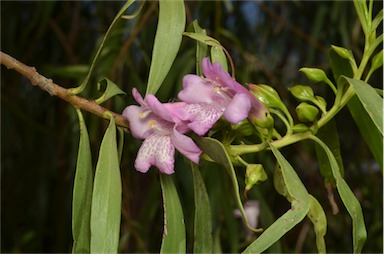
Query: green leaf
(329, 135)
(363, 14)
(168, 38)
(201, 48)
(290, 186)
(174, 229)
(82, 193)
(372, 136)
(350, 201)
(372, 102)
(111, 90)
(107, 35)
(203, 242)
(216, 151)
(319, 220)
(218, 55)
(106, 199)
(204, 39)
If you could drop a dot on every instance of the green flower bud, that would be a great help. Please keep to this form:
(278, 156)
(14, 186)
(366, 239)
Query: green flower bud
(343, 52)
(322, 103)
(299, 128)
(261, 119)
(307, 112)
(255, 173)
(244, 128)
(267, 95)
(314, 74)
(302, 93)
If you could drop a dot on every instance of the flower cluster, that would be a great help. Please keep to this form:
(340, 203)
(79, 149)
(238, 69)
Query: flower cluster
(203, 100)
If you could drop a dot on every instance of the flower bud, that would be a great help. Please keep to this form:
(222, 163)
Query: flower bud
(343, 52)
(267, 95)
(302, 93)
(314, 74)
(299, 128)
(261, 119)
(254, 174)
(307, 112)
(244, 128)
(322, 103)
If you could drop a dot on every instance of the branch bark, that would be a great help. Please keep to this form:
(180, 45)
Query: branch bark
(55, 90)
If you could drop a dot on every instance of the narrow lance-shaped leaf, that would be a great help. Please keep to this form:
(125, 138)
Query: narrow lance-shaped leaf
(201, 48)
(203, 242)
(294, 190)
(218, 55)
(82, 193)
(170, 28)
(106, 198)
(372, 136)
(174, 228)
(80, 88)
(350, 201)
(372, 102)
(216, 151)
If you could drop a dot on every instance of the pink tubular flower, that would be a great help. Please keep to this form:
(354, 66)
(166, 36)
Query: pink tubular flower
(216, 95)
(162, 130)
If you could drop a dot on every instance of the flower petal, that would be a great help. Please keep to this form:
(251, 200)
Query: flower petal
(138, 118)
(203, 116)
(138, 97)
(238, 109)
(186, 146)
(196, 89)
(156, 150)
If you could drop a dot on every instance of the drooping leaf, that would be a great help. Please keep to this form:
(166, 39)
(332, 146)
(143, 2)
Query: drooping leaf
(82, 193)
(319, 220)
(351, 203)
(291, 186)
(170, 28)
(107, 35)
(106, 198)
(216, 151)
(204, 39)
(372, 136)
(111, 89)
(372, 102)
(203, 242)
(174, 240)
(329, 135)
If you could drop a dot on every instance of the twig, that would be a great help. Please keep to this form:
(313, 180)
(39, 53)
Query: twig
(55, 90)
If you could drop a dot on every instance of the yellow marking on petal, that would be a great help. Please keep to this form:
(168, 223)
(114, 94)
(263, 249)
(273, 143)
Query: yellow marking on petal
(152, 123)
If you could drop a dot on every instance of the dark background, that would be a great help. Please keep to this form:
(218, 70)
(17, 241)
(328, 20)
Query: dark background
(268, 41)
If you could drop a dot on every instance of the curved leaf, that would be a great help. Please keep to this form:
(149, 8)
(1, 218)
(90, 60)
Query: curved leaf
(82, 193)
(350, 201)
(81, 87)
(168, 37)
(106, 199)
(319, 220)
(111, 90)
(201, 48)
(174, 229)
(216, 151)
(290, 186)
(203, 242)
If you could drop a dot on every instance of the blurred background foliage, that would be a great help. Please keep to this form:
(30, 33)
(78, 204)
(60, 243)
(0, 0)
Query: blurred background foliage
(269, 42)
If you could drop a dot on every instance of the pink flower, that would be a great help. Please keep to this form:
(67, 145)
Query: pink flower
(162, 130)
(216, 95)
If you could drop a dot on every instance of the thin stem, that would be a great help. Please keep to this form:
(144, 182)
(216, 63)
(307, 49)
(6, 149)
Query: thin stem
(55, 90)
